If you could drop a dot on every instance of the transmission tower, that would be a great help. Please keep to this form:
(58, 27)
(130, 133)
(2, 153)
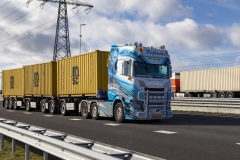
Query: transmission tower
(62, 42)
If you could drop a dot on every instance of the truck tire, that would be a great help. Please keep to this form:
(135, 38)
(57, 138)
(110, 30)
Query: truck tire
(214, 94)
(6, 103)
(229, 95)
(10, 104)
(187, 95)
(63, 110)
(15, 107)
(28, 105)
(94, 111)
(119, 112)
(84, 110)
(52, 107)
(221, 95)
(43, 106)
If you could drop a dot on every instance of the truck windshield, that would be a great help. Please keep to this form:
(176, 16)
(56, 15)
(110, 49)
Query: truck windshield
(149, 70)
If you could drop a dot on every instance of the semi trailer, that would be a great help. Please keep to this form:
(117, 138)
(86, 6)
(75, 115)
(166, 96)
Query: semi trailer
(129, 82)
(215, 83)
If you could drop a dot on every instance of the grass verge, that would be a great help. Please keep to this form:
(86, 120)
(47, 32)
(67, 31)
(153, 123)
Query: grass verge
(6, 152)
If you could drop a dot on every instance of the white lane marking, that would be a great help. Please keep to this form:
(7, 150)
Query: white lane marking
(238, 143)
(48, 115)
(165, 132)
(75, 119)
(112, 124)
(27, 113)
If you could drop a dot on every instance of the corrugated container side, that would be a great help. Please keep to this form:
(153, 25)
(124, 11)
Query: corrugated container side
(41, 79)
(83, 74)
(13, 83)
(220, 79)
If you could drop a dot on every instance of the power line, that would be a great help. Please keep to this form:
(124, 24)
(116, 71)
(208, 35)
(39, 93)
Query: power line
(27, 31)
(12, 12)
(28, 36)
(6, 27)
(201, 65)
(5, 4)
(35, 33)
(23, 15)
(204, 56)
(62, 42)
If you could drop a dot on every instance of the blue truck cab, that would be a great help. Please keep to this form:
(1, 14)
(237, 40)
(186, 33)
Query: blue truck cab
(139, 85)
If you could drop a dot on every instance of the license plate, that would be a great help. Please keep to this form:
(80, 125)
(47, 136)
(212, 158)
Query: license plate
(157, 116)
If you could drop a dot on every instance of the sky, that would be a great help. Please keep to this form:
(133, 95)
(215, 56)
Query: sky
(198, 34)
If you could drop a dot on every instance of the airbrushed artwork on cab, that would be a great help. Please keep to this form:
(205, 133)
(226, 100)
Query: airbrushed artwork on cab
(116, 86)
(120, 88)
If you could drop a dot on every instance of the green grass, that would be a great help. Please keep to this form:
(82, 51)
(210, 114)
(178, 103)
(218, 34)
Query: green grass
(6, 153)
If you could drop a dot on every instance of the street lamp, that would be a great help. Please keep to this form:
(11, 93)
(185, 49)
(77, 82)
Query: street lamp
(80, 36)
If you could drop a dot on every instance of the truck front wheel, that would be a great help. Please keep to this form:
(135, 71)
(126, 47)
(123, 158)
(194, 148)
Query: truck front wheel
(119, 112)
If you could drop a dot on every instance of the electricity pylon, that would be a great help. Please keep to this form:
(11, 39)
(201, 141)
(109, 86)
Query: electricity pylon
(62, 42)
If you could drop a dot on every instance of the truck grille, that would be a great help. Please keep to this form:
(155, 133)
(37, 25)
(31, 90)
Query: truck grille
(153, 99)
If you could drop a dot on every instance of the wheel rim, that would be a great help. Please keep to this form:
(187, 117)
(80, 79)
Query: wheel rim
(119, 113)
(94, 111)
(10, 104)
(222, 96)
(27, 105)
(14, 104)
(51, 107)
(63, 108)
(84, 110)
(42, 106)
(230, 95)
(6, 103)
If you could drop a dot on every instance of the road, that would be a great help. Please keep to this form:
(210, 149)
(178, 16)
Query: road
(182, 137)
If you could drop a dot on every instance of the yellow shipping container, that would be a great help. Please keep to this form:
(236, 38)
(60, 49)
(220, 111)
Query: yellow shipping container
(13, 83)
(84, 74)
(41, 79)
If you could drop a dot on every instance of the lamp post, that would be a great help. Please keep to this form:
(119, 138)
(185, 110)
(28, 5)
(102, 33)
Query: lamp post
(80, 36)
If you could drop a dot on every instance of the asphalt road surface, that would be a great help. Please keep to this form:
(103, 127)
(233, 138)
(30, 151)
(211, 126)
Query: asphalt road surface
(184, 136)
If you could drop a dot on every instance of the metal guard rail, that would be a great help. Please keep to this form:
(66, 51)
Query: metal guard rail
(208, 102)
(62, 145)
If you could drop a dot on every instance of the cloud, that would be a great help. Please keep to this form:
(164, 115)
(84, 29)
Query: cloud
(114, 22)
(234, 35)
(190, 35)
(153, 10)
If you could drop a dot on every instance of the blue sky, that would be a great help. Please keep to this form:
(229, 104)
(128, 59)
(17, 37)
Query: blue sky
(198, 34)
(219, 13)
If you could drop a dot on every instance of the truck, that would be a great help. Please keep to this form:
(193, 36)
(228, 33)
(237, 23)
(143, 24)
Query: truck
(131, 82)
(210, 83)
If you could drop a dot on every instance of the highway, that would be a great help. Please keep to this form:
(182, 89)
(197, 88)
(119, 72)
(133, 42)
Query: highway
(184, 136)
